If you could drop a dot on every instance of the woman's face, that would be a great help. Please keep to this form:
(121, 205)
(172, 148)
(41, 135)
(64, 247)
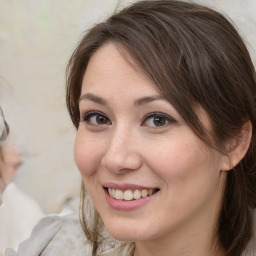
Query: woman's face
(147, 173)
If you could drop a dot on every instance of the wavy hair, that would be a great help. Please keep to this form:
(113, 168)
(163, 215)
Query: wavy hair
(196, 57)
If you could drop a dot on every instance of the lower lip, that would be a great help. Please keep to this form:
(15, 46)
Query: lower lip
(123, 205)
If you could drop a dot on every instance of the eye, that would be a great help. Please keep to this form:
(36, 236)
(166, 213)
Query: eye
(96, 118)
(157, 120)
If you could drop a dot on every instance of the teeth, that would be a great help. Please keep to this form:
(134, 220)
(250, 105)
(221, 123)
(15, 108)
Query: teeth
(144, 193)
(150, 192)
(137, 194)
(129, 195)
(118, 194)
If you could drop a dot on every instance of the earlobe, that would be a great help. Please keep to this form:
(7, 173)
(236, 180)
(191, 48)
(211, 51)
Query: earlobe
(238, 147)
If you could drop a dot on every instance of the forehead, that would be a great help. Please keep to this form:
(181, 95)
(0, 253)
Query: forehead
(111, 67)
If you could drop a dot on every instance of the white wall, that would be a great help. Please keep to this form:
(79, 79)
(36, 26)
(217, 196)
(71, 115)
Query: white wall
(36, 39)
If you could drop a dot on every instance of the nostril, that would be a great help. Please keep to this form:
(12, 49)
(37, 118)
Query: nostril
(121, 162)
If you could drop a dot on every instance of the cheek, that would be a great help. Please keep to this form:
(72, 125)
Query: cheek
(185, 162)
(190, 178)
(87, 154)
(171, 157)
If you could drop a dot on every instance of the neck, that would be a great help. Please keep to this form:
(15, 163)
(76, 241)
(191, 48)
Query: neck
(176, 249)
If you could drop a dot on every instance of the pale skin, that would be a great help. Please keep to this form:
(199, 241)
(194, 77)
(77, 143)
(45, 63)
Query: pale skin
(10, 160)
(130, 134)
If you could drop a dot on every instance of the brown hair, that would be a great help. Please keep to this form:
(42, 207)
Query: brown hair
(197, 58)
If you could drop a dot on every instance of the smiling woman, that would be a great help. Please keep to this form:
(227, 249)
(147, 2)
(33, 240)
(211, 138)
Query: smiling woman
(166, 130)
(163, 95)
(139, 157)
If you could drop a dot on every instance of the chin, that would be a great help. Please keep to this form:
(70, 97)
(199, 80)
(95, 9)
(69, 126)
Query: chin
(124, 236)
(126, 233)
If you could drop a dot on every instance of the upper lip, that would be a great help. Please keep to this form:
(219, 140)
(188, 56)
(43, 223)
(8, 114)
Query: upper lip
(126, 186)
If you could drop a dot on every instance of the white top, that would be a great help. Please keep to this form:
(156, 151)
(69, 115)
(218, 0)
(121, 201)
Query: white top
(63, 236)
(18, 215)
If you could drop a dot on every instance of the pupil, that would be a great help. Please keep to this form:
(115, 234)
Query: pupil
(101, 120)
(159, 121)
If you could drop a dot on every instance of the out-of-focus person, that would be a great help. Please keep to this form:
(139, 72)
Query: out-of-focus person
(18, 212)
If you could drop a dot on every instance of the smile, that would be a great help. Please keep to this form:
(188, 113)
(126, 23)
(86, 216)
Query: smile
(129, 195)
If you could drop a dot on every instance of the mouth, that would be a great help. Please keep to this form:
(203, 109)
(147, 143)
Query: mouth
(130, 195)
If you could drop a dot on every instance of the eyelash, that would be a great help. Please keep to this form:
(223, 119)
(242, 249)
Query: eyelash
(167, 119)
(86, 117)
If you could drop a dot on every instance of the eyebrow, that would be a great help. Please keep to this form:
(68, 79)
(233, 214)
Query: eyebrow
(139, 102)
(93, 98)
(148, 99)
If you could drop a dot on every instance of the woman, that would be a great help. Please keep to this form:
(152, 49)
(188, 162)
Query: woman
(163, 97)
(166, 94)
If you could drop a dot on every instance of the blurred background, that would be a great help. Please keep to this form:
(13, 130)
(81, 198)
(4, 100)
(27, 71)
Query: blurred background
(37, 38)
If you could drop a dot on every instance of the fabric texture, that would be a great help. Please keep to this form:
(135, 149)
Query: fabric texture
(61, 236)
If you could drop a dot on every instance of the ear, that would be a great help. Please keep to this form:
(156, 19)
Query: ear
(238, 147)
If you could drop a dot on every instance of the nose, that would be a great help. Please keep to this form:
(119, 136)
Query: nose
(121, 153)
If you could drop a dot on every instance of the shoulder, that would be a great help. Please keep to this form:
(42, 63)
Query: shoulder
(55, 236)
(58, 235)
